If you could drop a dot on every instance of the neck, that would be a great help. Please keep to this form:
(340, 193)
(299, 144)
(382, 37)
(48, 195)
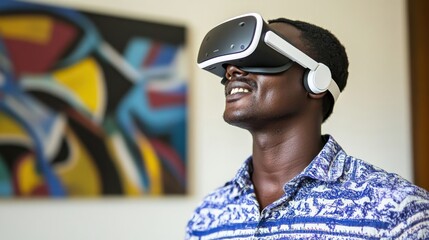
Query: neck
(281, 153)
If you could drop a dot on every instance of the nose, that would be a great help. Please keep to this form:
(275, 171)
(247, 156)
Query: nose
(234, 71)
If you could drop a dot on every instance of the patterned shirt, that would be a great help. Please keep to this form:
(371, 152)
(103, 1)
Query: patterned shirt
(335, 197)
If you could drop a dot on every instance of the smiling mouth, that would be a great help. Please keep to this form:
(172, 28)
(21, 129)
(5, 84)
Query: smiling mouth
(235, 88)
(238, 90)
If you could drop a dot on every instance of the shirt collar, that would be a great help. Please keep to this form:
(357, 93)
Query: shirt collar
(326, 166)
(243, 176)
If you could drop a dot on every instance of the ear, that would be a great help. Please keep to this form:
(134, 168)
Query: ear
(317, 96)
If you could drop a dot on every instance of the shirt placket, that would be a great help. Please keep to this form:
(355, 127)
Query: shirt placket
(290, 189)
(251, 196)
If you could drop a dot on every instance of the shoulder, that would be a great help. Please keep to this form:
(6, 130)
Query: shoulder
(384, 184)
(218, 207)
(361, 172)
(219, 197)
(395, 200)
(216, 200)
(213, 204)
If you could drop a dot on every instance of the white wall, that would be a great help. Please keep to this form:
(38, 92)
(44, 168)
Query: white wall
(371, 119)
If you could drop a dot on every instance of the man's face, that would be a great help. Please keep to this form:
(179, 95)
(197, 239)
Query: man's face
(254, 100)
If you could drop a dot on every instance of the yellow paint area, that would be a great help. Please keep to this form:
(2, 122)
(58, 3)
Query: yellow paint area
(152, 164)
(27, 175)
(34, 28)
(85, 80)
(10, 127)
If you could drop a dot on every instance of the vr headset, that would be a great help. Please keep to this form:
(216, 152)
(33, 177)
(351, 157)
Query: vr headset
(248, 42)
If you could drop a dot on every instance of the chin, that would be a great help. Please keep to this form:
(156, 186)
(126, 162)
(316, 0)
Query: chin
(237, 120)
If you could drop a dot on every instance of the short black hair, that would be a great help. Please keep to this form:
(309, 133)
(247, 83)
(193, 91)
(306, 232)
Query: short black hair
(323, 47)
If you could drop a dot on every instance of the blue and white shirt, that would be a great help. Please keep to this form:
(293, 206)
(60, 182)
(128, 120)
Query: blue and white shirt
(336, 197)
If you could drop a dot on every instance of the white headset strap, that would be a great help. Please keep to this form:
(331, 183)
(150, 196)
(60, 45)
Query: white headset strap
(334, 90)
(290, 51)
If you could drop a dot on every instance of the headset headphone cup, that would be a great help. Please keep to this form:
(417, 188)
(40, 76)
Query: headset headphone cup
(317, 81)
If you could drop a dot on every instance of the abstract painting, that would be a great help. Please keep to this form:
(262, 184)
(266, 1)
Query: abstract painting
(90, 104)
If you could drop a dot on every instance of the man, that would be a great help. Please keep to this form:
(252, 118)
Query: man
(299, 184)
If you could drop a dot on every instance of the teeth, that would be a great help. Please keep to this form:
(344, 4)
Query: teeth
(239, 90)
